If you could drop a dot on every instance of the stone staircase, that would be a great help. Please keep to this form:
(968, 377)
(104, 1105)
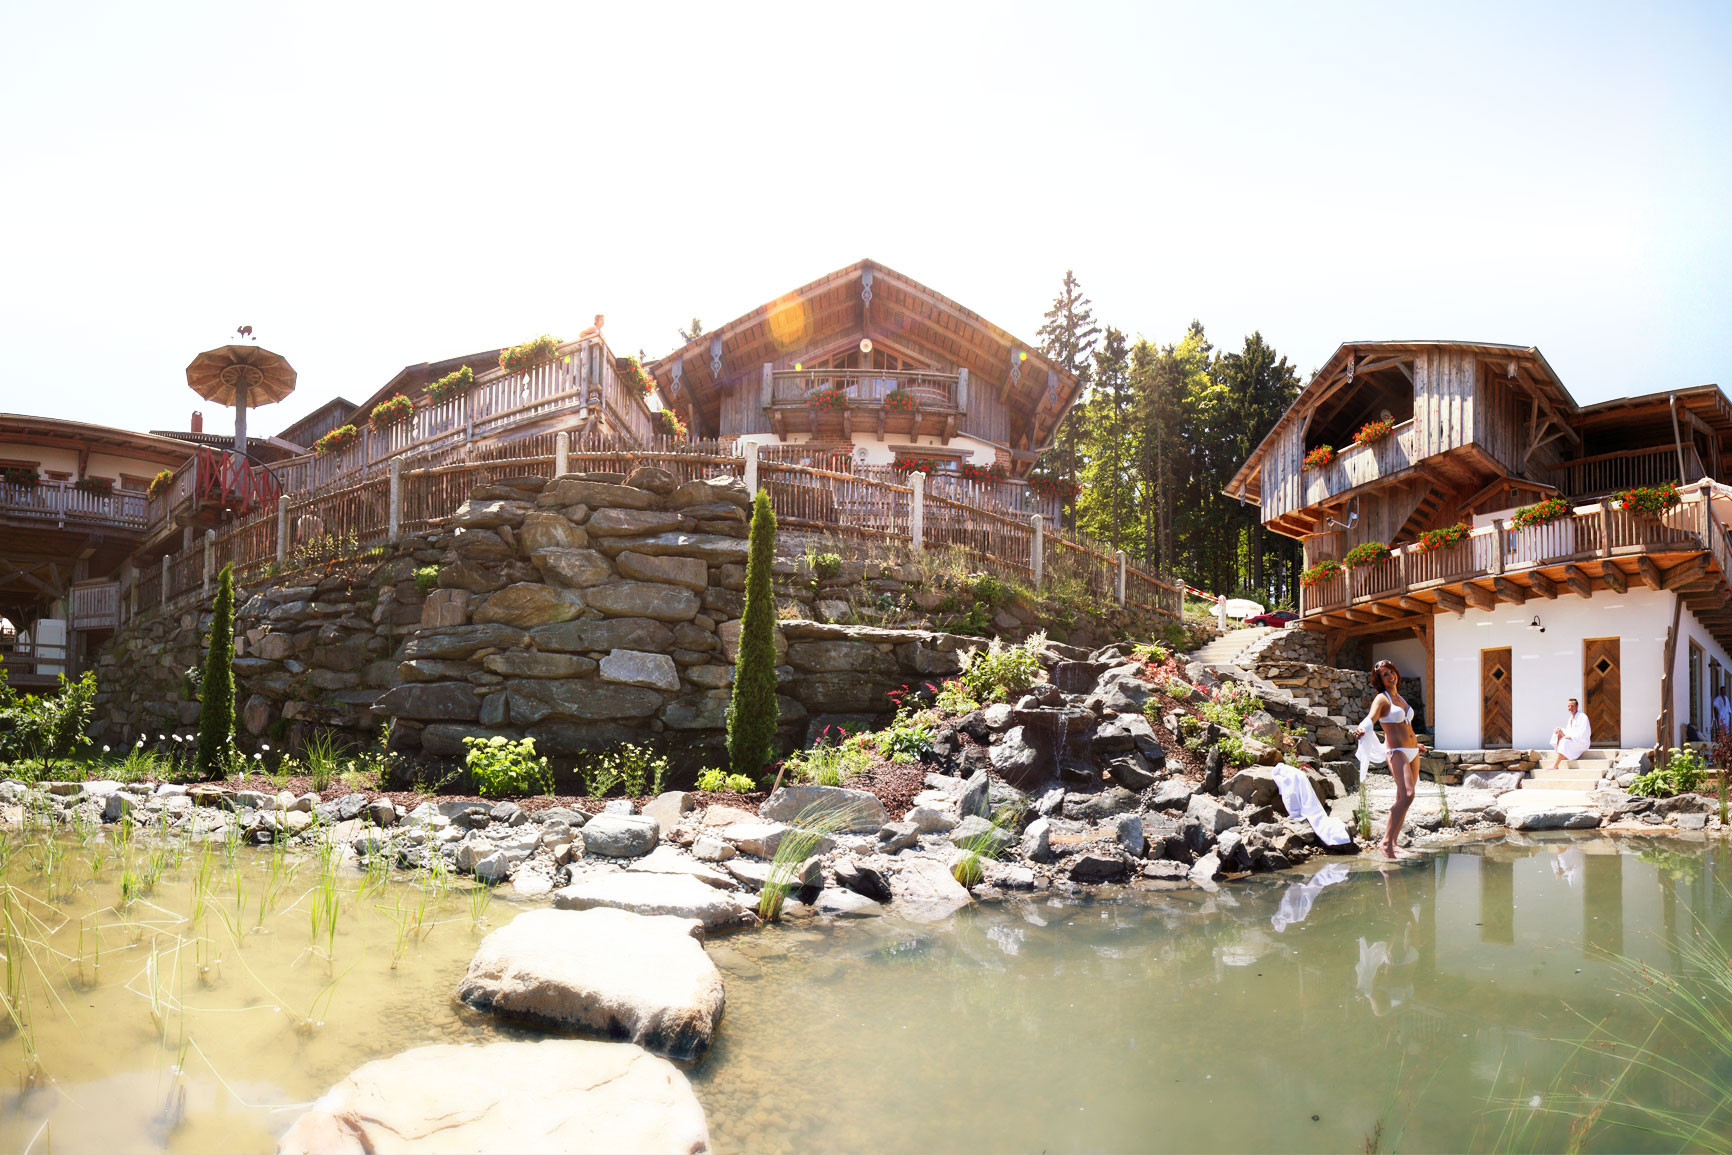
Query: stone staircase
(1582, 774)
(1225, 650)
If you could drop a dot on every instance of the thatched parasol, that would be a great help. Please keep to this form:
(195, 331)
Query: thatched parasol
(241, 375)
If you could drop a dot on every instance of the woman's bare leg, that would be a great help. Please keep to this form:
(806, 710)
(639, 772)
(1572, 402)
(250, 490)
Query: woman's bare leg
(1398, 766)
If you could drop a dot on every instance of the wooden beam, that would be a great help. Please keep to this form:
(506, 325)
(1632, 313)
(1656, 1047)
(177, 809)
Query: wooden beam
(1388, 610)
(1543, 586)
(1614, 576)
(1428, 638)
(1451, 602)
(1685, 572)
(1649, 572)
(1509, 591)
(1578, 581)
(1361, 616)
(1477, 597)
(1414, 606)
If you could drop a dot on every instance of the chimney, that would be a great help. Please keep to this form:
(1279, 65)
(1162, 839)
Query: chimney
(197, 421)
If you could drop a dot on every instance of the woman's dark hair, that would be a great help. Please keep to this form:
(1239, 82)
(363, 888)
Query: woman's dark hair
(1377, 675)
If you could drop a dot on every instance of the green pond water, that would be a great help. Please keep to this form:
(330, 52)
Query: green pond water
(1438, 1006)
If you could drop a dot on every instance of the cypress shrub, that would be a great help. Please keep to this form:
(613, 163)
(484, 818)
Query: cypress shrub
(752, 711)
(216, 712)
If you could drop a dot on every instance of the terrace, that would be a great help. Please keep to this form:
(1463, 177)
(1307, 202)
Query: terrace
(62, 503)
(832, 402)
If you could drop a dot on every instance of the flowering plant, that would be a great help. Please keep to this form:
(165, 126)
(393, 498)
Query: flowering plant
(993, 472)
(1319, 573)
(638, 377)
(926, 465)
(1652, 500)
(339, 438)
(160, 483)
(1373, 431)
(827, 399)
(450, 385)
(391, 411)
(900, 399)
(1540, 513)
(1365, 553)
(100, 486)
(668, 423)
(1433, 540)
(1320, 457)
(529, 354)
(18, 475)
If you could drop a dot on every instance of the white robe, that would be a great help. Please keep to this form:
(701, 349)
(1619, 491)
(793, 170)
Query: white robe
(1578, 736)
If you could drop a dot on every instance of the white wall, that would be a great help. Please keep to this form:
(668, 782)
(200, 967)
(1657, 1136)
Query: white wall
(1690, 628)
(883, 452)
(1408, 655)
(54, 459)
(1548, 666)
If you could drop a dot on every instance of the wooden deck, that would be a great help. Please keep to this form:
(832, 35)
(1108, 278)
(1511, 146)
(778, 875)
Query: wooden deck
(938, 403)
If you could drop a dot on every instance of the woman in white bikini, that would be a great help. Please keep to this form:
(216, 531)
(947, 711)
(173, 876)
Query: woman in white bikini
(1399, 745)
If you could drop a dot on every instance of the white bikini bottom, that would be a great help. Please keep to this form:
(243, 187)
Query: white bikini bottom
(1411, 752)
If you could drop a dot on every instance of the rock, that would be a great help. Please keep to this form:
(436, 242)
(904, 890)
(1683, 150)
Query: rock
(1166, 870)
(862, 880)
(665, 859)
(554, 1095)
(894, 837)
(839, 903)
(1131, 772)
(976, 833)
(432, 701)
(1128, 830)
(729, 633)
(710, 548)
(534, 664)
(615, 634)
(1207, 868)
(644, 600)
(1496, 781)
(629, 522)
(974, 799)
(647, 893)
(1214, 764)
(533, 700)
(462, 641)
(1037, 840)
(490, 514)
(1213, 816)
(689, 572)
(1017, 761)
(1173, 794)
(578, 568)
(925, 890)
(667, 809)
(658, 481)
(862, 809)
(720, 815)
(639, 668)
(709, 491)
(620, 835)
(546, 530)
(528, 604)
(1254, 785)
(118, 805)
(709, 848)
(1548, 816)
(930, 820)
(1098, 866)
(1098, 807)
(754, 837)
(596, 494)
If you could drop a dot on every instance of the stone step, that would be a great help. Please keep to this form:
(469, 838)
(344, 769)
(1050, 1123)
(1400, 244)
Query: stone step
(1579, 782)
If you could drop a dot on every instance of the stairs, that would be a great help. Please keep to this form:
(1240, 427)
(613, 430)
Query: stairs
(1582, 774)
(1225, 649)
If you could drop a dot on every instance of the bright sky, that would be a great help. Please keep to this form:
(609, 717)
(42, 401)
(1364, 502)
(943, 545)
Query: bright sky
(372, 186)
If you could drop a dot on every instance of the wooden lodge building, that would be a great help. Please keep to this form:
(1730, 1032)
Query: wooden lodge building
(1628, 612)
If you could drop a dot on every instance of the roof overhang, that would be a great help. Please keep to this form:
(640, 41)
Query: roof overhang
(63, 434)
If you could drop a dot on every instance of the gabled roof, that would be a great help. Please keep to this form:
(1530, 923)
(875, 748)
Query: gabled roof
(411, 380)
(1530, 364)
(66, 434)
(1707, 402)
(339, 407)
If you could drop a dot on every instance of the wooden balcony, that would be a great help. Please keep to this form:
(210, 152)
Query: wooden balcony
(210, 482)
(1359, 465)
(58, 504)
(1595, 548)
(937, 401)
(1608, 473)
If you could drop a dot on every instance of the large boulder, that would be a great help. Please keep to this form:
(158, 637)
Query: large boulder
(711, 548)
(840, 657)
(710, 490)
(925, 890)
(579, 568)
(432, 701)
(644, 600)
(490, 514)
(534, 664)
(602, 971)
(529, 604)
(646, 893)
(613, 634)
(553, 1095)
(861, 809)
(637, 668)
(690, 572)
(534, 699)
(620, 835)
(462, 641)
(629, 522)
(596, 494)
(1255, 785)
(544, 530)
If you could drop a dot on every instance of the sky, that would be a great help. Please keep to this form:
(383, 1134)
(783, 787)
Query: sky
(373, 185)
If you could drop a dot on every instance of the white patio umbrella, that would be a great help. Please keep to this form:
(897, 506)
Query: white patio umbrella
(1242, 608)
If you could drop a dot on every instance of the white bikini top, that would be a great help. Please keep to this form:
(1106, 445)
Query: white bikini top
(1404, 714)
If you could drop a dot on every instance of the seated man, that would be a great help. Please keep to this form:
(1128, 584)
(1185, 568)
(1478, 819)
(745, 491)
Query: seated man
(1722, 712)
(1572, 739)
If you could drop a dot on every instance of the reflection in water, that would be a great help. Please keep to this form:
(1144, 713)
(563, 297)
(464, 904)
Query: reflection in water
(1296, 901)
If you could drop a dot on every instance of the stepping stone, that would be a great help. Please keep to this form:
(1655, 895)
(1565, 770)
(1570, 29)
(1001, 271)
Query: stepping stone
(644, 893)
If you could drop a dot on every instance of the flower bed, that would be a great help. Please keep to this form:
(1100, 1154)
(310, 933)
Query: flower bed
(1318, 574)
(901, 399)
(160, 483)
(1433, 540)
(1319, 458)
(19, 475)
(1373, 431)
(341, 437)
(391, 411)
(100, 486)
(668, 424)
(451, 385)
(529, 354)
(1364, 554)
(822, 399)
(1541, 513)
(1651, 500)
(993, 472)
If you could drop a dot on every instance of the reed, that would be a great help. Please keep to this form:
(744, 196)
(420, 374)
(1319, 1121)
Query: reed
(810, 828)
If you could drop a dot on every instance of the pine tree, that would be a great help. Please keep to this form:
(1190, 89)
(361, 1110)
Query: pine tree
(1068, 336)
(752, 712)
(687, 336)
(216, 712)
(1110, 444)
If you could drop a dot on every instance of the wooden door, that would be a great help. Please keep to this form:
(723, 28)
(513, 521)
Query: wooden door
(1495, 716)
(1602, 687)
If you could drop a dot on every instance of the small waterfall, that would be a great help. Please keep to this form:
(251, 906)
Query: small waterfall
(1063, 736)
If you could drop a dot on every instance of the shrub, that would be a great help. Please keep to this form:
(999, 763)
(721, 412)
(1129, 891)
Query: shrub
(1364, 554)
(1318, 574)
(460, 381)
(1540, 513)
(827, 565)
(1373, 431)
(1319, 458)
(986, 588)
(504, 768)
(391, 411)
(1433, 540)
(427, 578)
(44, 727)
(160, 483)
(752, 711)
(630, 767)
(339, 438)
(216, 711)
(712, 780)
(739, 784)
(1682, 774)
(1000, 672)
(529, 354)
(1652, 500)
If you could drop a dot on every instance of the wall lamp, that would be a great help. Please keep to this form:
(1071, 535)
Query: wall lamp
(1535, 624)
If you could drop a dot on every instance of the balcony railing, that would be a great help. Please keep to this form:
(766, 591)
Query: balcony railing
(63, 503)
(212, 478)
(865, 388)
(1361, 464)
(1608, 473)
(1589, 532)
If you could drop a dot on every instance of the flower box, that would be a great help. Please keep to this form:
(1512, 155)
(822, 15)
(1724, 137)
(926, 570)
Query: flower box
(160, 483)
(637, 377)
(901, 400)
(1373, 431)
(1319, 458)
(100, 486)
(1050, 487)
(926, 465)
(668, 424)
(1366, 553)
(1649, 500)
(1319, 573)
(1541, 513)
(831, 399)
(1433, 540)
(19, 475)
(993, 472)
(341, 437)
(528, 355)
(391, 411)
(451, 385)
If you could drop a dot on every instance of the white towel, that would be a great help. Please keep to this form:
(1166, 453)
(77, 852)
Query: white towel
(1301, 802)
(1371, 748)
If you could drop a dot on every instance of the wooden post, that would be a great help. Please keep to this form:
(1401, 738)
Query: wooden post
(1037, 547)
(752, 469)
(917, 510)
(962, 388)
(282, 530)
(395, 514)
(1497, 545)
(164, 579)
(562, 455)
(209, 557)
(1121, 577)
(767, 392)
(1605, 528)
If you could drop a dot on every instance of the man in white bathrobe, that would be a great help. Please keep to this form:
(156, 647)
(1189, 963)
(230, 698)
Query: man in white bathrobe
(1572, 739)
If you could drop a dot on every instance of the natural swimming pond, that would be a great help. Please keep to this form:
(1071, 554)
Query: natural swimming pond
(1442, 1005)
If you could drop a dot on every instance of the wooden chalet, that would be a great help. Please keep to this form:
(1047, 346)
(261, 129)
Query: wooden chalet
(1477, 431)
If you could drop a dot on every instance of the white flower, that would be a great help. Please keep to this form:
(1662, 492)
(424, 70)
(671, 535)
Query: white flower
(265, 746)
(162, 737)
(105, 749)
(258, 757)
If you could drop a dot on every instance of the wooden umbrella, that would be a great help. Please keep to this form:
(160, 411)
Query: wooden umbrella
(241, 375)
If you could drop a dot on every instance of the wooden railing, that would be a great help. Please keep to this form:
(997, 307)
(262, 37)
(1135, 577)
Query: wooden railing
(1608, 473)
(214, 478)
(865, 388)
(1589, 532)
(95, 606)
(1359, 465)
(62, 502)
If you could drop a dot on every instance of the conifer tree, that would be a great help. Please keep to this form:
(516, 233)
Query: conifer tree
(752, 712)
(216, 713)
(1068, 336)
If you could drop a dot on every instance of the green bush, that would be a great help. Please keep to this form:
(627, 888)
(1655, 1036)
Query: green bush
(752, 711)
(987, 588)
(426, 578)
(829, 763)
(503, 768)
(216, 711)
(908, 739)
(1000, 672)
(43, 727)
(715, 781)
(827, 565)
(954, 699)
(630, 767)
(1682, 774)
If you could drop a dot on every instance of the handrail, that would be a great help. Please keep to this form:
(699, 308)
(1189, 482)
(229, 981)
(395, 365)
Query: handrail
(63, 501)
(864, 387)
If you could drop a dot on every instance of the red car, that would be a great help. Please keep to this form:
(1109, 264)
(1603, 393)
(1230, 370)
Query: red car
(1277, 618)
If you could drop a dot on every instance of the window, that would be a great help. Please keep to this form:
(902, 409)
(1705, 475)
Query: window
(1696, 688)
(131, 484)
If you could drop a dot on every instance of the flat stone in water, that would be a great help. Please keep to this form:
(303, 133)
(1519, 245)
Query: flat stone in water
(643, 893)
